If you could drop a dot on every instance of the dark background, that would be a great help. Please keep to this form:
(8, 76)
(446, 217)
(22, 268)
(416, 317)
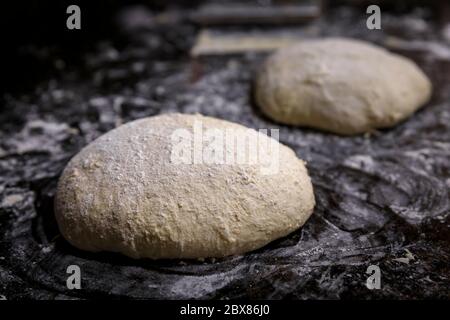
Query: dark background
(382, 198)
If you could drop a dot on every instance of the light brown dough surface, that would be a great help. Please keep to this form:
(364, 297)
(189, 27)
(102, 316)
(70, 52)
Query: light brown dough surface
(122, 193)
(340, 85)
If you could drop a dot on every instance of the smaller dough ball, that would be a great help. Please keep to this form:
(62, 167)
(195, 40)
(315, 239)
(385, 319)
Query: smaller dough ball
(340, 85)
(124, 193)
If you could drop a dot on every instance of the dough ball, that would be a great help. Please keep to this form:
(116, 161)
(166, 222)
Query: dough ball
(340, 85)
(125, 193)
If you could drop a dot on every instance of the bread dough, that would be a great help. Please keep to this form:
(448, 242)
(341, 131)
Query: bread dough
(124, 193)
(340, 85)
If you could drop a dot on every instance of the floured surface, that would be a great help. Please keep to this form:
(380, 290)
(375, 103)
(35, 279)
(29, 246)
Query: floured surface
(380, 199)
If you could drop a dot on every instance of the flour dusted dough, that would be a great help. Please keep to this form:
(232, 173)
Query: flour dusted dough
(122, 193)
(340, 85)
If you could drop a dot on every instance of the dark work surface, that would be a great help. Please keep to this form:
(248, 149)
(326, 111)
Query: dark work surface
(382, 199)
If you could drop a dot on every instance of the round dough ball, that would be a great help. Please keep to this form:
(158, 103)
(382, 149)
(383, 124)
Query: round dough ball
(125, 193)
(340, 85)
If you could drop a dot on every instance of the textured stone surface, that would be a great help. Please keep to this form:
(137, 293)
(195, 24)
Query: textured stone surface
(380, 198)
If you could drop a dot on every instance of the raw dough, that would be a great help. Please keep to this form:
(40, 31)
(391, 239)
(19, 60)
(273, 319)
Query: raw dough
(123, 193)
(340, 85)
